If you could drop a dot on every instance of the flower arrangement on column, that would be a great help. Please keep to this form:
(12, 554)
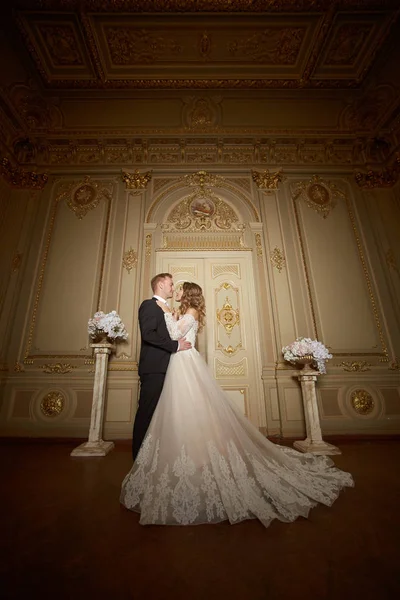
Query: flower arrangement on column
(109, 326)
(104, 330)
(306, 351)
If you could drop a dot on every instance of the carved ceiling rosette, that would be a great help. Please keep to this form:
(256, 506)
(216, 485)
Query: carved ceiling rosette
(83, 196)
(319, 194)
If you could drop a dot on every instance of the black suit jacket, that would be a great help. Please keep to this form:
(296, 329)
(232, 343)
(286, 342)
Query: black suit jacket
(157, 345)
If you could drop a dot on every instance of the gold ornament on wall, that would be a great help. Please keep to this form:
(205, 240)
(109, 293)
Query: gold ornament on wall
(362, 402)
(52, 404)
(379, 179)
(320, 195)
(19, 178)
(277, 258)
(228, 316)
(229, 350)
(136, 182)
(258, 245)
(129, 260)
(82, 196)
(267, 181)
(355, 366)
(58, 368)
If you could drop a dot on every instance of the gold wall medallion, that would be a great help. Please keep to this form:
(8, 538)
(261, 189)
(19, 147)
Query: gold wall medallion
(277, 258)
(228, 316)
(83, 196)
(362, 402)
(136, 182)
(319, 194)
(129, 260)
(52, 404)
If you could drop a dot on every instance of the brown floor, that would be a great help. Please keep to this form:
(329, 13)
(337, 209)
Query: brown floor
(65, 536)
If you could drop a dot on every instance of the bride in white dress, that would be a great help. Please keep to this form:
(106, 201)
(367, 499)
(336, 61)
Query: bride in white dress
(202, 461)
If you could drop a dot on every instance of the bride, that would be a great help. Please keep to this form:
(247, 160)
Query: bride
(202, 461)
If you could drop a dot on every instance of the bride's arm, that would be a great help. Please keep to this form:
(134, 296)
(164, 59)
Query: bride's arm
(178, 329)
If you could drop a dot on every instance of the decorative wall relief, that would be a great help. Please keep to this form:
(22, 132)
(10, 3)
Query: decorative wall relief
(136, 182)
(52, 404)
(129, 260)
(319, 194)
(238, 369)
(228, 330)
(19, 178)
(228, 317)
(277, 259)
(362, 402)
(355, 366)
(83, 196)
(37, 111)
(201, 113)
(267, 181)
(385, 178)
(58, 368)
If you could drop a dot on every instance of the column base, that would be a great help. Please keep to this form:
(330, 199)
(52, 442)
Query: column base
(320, 447)
(99, 448)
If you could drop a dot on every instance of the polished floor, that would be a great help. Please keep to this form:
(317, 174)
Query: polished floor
(64, 536)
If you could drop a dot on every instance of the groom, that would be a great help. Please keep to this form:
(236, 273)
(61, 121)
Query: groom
(155, 352)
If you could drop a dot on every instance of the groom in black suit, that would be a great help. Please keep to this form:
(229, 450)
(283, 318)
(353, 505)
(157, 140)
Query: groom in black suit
(155, 352)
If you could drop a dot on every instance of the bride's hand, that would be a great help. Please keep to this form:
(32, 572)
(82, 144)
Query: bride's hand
(163, 306)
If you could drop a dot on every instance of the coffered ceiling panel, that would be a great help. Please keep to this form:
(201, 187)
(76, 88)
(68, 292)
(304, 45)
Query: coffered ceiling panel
(58, 44)
(203, 48)
(121, 45)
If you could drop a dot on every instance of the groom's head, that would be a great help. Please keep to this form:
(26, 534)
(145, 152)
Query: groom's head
(162, 285)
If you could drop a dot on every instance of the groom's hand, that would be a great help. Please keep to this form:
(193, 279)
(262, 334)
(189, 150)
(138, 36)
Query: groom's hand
(184, 345)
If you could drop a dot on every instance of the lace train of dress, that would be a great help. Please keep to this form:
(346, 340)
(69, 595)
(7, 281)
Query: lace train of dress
(202, 461)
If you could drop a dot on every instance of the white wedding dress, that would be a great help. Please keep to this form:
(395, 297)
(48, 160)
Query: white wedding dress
(202, 461)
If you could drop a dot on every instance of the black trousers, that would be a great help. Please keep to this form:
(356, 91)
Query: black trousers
(151, 386)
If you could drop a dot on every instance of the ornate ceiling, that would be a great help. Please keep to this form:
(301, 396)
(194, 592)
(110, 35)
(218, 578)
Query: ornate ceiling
(175, 82)
(208, 44)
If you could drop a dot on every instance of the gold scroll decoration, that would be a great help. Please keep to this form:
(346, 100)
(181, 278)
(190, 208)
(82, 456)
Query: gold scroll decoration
(266, 181)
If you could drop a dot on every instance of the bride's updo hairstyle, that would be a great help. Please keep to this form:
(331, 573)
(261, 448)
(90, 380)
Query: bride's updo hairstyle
(192, 297)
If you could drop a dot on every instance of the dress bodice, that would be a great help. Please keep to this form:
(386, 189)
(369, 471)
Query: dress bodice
(186, 327)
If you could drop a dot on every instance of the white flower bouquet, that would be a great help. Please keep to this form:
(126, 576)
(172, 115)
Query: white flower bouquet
(306, 347)
(107, 325)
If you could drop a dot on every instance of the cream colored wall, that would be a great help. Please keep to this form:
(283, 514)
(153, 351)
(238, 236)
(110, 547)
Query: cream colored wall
(334, 281)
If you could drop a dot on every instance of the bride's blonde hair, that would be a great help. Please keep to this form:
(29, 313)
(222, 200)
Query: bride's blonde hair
(192, 297)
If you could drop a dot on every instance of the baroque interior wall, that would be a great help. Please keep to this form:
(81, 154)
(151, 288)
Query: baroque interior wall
(77, 237)
(324, 267)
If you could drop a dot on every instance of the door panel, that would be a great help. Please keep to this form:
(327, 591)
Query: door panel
(229, 341)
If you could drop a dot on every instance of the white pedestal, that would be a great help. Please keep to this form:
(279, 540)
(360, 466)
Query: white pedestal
(313, 442)
(96, 446)
(100, 448)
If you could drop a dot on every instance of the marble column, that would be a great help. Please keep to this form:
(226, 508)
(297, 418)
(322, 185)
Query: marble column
(313, 442)
(96, 446)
